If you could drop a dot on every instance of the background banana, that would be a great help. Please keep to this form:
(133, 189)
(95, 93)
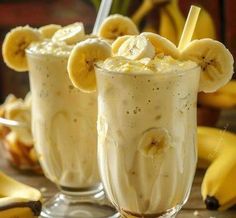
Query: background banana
(170, 20)
(223, 98)
(18, 200)
(217, 149)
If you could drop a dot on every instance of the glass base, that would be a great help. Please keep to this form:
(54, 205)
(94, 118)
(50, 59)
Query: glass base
(79, 205)
(171, 213)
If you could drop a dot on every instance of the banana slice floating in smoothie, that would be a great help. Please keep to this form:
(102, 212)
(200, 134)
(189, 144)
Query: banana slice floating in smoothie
(154, 142)
(48, 31)
(215, 60)
(136, 47)
(70, 34)
(117, 25)
(162, 45)
(81, 62)
(14, 45)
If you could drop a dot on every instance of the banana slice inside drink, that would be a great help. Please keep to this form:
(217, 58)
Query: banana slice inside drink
(136, 47)
(81, 62)
(14, 45)
(117, 25)
(215, 60)
(154, 142)
(48, 31)
(70, 34)
(162, 45)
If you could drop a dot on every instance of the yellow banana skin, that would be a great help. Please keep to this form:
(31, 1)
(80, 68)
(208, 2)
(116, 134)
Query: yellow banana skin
(205, 22)
(167, 21)
(17, 212)
(178, 18)
(170, 21)
(224, 98)
(13, 188)
(218, 148)
(18, 200)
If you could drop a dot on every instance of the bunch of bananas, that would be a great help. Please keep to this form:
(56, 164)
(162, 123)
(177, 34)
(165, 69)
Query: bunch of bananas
(217, 153)
(170, 21)
(18, 200)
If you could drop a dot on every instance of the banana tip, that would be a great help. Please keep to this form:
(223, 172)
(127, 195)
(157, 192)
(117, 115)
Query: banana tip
(212, 203)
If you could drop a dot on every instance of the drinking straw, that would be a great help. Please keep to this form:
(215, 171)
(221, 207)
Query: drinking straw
(12, 123)
(189, 27)
(103, 12)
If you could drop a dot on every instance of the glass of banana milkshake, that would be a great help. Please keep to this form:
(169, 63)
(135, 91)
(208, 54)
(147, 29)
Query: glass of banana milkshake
(63, 120)
(147, 96)
(147, 134)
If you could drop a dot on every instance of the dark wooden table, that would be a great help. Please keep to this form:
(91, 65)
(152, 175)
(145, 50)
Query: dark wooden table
(194, 208)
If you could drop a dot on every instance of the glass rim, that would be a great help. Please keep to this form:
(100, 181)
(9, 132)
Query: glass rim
(168, 74)
(31, 53)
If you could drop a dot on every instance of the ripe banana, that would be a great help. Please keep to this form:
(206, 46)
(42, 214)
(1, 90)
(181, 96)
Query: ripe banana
(117, 25)
(223, 98)
(170, 21)
(70, 34)
(48, 31)
(215, 60)
(142, 11)
(154, 142)
(167, 27)
(204, 22)
(229, 88)
(136, 47)
(217, 100)
(218, 149)
(177, 17)
(14, 45)
(81, 62)
(18, 200)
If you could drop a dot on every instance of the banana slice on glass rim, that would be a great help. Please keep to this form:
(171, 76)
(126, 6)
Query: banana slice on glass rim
(70, 34)
(14, 45)
(48, 31)
(215, 60)
(162, 45)
(81, 62)
(117, 25)
(136, 47)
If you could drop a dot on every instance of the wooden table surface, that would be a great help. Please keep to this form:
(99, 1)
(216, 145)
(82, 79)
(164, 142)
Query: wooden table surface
(194, 207)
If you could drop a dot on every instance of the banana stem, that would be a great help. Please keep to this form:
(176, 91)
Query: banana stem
(189, 27)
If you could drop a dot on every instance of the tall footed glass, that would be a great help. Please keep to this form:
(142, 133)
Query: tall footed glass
(146, 139)
(64, 129)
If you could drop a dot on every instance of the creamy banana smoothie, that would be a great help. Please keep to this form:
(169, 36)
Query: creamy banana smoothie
(147, 96)
(64, 118)
(147, 133)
